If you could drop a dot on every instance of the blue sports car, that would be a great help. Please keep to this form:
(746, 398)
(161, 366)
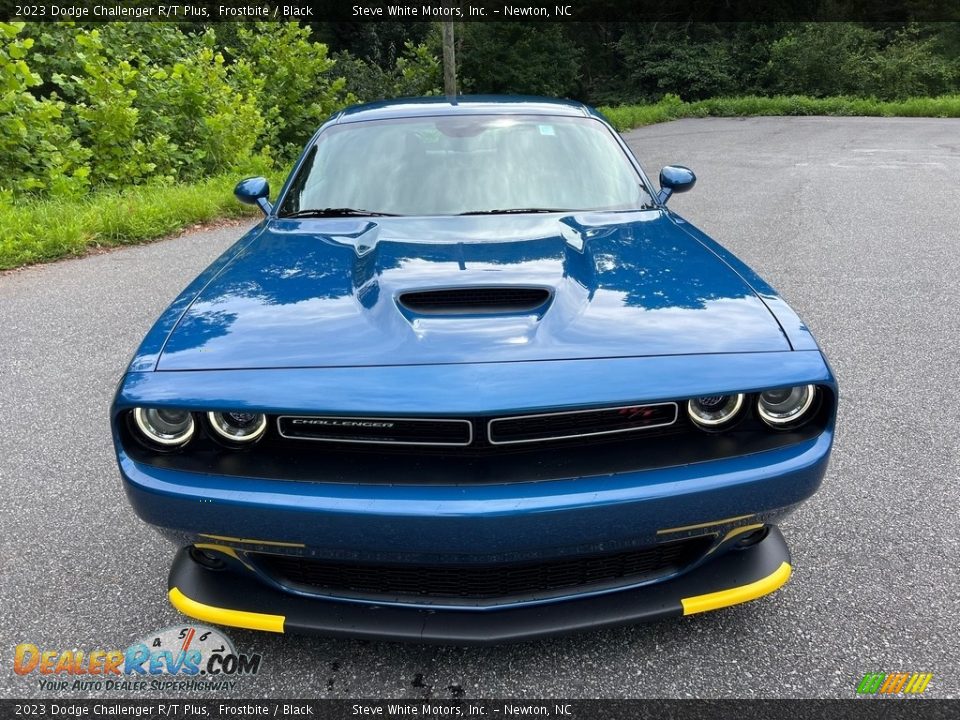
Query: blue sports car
(470, 380)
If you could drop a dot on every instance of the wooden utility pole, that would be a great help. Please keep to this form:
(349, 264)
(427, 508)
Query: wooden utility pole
(449, 60)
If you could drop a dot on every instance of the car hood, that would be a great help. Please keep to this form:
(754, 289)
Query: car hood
(325, 293)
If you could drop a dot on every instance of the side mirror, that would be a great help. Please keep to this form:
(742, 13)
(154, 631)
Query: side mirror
(675, 179)
(254, 191)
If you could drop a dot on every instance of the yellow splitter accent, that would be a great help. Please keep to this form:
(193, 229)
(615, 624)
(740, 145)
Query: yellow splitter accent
(737, 595)
(224, 616)
(275, 623)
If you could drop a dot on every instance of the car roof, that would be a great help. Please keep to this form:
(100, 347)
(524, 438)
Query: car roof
(463, 105)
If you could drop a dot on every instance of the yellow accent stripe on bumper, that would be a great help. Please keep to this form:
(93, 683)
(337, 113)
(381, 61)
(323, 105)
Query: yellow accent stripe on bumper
(684, 528)
(737, 595)
(248, 541)
(225, 616)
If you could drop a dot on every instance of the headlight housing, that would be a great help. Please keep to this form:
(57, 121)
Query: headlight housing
(237, 428)
(167, 428)
(712, 411)
(786, 407)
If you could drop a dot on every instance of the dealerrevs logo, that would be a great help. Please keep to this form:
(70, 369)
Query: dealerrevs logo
(181, 657)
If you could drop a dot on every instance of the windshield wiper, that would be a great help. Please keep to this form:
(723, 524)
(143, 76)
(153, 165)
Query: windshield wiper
(336, 212)
(509, 211)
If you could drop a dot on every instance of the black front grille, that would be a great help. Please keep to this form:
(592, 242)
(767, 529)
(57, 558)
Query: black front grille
(581, 423)
(487, 581)
(475, 300)
(389, 431)
(478, 432)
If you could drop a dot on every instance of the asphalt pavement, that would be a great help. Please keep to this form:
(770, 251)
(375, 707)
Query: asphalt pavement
(855, 220)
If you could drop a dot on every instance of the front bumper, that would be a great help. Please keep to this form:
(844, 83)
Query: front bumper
(237, 598)
(455, 520)
(487, 523)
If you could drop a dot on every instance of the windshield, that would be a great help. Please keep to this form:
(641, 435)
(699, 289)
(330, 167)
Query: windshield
(460, 165)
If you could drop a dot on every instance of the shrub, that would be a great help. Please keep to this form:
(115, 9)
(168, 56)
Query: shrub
(417, 72)
(663, 59)
(911, 65)
(518, 57)
(38, 152)
(212, 109)
(821, 59)
(299, 88)
(107, 117)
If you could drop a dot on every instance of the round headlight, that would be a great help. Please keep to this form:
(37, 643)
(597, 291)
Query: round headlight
(714, 410)
(787, 406)
(164, 426)
(237, 427)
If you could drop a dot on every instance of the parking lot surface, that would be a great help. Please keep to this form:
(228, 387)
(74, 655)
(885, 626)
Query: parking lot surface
(855, 220)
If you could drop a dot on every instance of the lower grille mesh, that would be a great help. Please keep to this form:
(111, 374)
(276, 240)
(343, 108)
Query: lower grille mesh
(501, 580)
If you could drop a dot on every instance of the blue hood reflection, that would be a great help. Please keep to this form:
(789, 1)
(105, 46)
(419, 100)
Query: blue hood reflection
(322, 293)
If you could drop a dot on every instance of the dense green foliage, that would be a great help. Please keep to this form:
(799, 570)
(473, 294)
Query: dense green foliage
(37, 149)
(123, 104)
(39, 230)
(119, 132)
(518, 57)
(120, 104)
(643, 62)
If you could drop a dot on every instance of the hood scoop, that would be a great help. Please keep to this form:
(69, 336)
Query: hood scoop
(498, 300)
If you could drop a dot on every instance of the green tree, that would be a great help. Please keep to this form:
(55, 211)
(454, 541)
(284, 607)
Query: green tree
(376, 43)
(208, 109)
(518, 57)
(822, 59)
(416, 73)
(912, 64)
(690, 60)
(300, 85)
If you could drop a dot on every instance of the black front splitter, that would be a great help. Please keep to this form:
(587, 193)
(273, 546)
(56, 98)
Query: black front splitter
(240, 599)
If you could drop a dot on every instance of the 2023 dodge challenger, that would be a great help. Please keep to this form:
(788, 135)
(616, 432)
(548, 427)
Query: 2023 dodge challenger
(469, 380)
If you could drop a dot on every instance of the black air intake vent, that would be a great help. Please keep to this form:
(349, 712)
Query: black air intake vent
(482, 581)
(475, 300)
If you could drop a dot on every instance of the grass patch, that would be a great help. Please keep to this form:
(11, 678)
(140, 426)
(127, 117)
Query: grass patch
(39, 230)
(627, 117)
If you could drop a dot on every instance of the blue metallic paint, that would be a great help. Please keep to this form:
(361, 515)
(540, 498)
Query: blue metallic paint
(626, 284)
(254, 191)
(148, 354)
(675, 179)
(630, 506)
(793, 327)
(479, 523)
(646, 307)
(506, 388)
